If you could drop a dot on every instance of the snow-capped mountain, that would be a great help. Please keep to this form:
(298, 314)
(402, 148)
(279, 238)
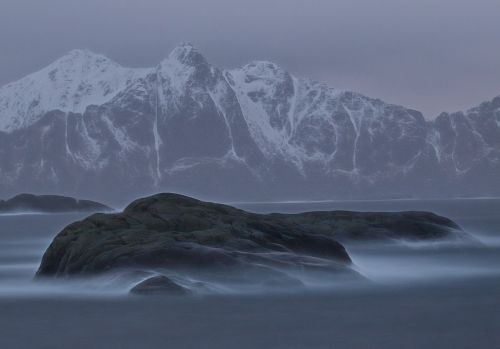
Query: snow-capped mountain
(70, 84)
(85, 125)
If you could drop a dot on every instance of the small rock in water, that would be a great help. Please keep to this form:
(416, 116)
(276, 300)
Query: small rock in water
(159, 285)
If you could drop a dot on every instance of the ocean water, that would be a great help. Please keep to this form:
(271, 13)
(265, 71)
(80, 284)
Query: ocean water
(425, 295)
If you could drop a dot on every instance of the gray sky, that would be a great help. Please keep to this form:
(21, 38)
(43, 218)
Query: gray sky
(431, 55)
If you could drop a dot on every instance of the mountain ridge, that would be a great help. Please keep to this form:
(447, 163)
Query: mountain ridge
(255, 132)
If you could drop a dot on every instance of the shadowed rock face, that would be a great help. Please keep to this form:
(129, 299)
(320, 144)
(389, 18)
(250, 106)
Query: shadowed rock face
(50, 203)
(174, 232)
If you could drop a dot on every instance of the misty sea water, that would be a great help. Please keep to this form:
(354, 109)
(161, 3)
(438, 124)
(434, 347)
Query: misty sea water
(426, 295)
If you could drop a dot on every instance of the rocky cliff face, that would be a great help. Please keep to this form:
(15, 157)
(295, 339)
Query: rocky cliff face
(87, 126)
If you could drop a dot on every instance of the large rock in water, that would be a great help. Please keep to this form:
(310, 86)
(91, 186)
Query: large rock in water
(170, 232)
(50, 204)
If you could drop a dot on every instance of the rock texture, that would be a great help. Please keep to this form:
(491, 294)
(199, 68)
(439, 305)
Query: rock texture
(50, 204)
(87, 126)
(173, 233)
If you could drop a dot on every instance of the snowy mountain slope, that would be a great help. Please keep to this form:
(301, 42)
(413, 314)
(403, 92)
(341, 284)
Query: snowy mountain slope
(70, 84)
(86, 125)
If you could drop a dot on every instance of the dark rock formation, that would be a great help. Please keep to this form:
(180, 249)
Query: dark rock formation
(177, 233)
(50, 204)
(159, 285)
(348, 225)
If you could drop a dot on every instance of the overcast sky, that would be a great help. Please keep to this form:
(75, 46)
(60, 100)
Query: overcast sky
(431, 55)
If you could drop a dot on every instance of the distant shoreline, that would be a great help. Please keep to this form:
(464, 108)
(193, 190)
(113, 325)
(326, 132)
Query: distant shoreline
(40, 204)
(356, 200)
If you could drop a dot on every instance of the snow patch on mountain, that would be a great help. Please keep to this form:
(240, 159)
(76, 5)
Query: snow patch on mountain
(70, 84)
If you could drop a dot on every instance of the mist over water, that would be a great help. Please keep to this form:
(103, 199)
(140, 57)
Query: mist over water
(439, 294)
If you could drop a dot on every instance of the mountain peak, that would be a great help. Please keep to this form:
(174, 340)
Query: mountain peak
(83, 58)
(186, 53)
(81, 53)
(70, 84)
